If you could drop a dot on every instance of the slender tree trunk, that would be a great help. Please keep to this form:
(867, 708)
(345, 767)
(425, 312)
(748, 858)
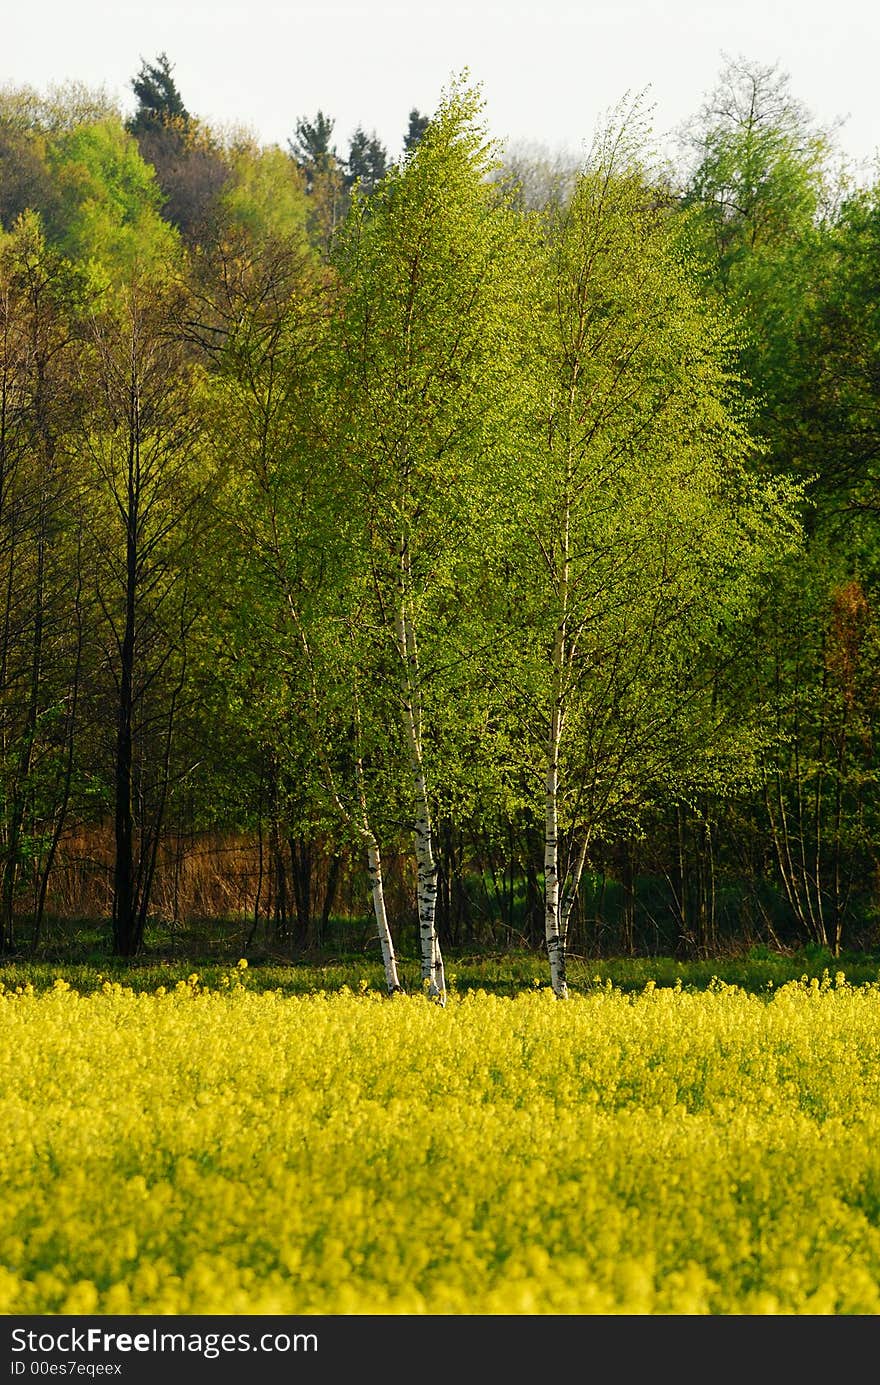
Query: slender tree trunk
(837, 890)
(709, 891)
(488, 866)
(629, 900)
(432, 961)
(782, 849)
(555, 905)
(70, 743)
(179, 852)
(684, 944)
(259, 890)
(329, 900)
(149, 851)
(377, 891)
(124, 940)
(359, 821)
(817, 864)
(511, 883)
(23, 767)
(279, 904)
(534, 923)
(445, 868)
(301, 884)
(573, 884)
(374, 862)
(554, 934)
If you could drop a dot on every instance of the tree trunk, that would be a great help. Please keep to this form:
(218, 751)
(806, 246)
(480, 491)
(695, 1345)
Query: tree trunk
(330, 889)
(125, 941)
(554, 935)
(426, 864)
(377, 891)
(23, 768)
(301, 882)
(70, 744)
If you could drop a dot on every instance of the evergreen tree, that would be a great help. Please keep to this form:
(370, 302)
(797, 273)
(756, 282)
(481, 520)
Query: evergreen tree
(318, 161)
(159, 101)
(367, 161)
(312, 149)
(418, 124)
(189, 163)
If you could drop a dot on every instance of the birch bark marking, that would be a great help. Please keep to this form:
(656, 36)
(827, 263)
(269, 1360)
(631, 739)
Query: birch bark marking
(361, 822)
(553, 928)
(426, 865)
(572, 885)
(374, 872)
(374, 865)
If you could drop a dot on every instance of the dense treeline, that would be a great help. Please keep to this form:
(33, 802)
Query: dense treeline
(482, 540)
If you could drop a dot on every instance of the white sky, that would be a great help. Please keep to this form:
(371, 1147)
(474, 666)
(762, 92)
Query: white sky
(549, 72)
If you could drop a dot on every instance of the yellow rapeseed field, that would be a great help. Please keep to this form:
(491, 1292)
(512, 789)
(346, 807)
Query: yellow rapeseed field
(231, 1151)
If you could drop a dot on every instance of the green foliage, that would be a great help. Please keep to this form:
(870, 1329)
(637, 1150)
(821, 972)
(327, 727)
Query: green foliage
(792, 251)
(264, 197)
(760, 168)
(40, 542)
(826, 407)
(109, 214)
(427, 357)
(25, 180)
(638, 530)
(319, 163)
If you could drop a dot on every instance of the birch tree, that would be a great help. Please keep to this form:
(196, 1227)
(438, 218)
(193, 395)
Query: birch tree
(423, 349)
(645, 528)
(262, 310)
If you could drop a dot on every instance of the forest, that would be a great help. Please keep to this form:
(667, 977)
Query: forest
(458, 547)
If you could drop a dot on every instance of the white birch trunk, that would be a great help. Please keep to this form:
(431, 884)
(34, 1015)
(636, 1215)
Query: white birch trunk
(432, 962)
(374, 865)
(553, 924)
(554, 921)
(572, 885)
(431, 959)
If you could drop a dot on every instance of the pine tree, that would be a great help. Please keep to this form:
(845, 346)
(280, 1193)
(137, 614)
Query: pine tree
(367, 161)
(159, 101)
(312, 149)
(418, 124)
